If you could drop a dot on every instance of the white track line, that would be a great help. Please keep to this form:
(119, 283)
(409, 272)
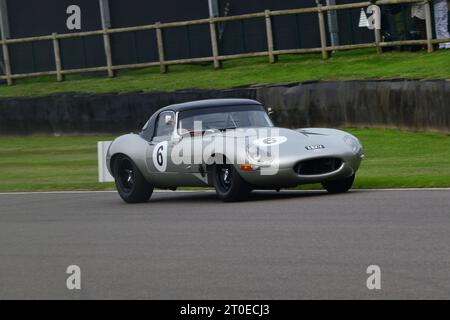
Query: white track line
(208, 191)
(92, 192)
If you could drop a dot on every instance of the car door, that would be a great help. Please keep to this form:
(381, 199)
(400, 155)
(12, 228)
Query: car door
(165, 172)
(159, 160)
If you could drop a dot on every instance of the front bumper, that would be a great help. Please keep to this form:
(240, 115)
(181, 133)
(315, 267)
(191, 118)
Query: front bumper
(286, 176)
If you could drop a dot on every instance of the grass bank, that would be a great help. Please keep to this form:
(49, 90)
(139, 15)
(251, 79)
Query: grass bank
(394, 159)
(355, 64)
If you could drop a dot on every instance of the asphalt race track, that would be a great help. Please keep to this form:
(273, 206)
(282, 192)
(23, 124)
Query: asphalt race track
(288, 245)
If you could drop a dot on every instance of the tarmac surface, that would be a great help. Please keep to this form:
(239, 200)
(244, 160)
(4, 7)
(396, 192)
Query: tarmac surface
(189, 245)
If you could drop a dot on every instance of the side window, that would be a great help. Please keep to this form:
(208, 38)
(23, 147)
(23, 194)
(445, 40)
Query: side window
(165, 124)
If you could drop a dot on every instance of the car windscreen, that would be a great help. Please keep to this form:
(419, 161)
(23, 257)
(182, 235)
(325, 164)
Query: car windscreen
(221, 118)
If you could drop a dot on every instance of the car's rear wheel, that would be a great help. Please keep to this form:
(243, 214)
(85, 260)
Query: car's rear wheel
(228, 183)
(130, 183)
(339, 186)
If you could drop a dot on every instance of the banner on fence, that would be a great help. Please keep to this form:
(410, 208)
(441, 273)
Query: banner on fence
(373, 21)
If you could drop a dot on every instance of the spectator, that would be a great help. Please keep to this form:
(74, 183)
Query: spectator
(395, 23)
(441, 21)
(418, 15)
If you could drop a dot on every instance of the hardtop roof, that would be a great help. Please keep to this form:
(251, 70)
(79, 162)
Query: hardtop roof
(211, 103)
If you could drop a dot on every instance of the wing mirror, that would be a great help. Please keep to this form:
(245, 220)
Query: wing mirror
(168, 120)
(270, 111)
(176, 138)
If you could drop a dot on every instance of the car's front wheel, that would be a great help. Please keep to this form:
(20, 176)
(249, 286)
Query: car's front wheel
(229, 185)
(130, 183)
(339, 186)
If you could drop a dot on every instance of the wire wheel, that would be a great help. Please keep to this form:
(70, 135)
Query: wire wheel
(225, 177)
(126, 175)
(229, 184)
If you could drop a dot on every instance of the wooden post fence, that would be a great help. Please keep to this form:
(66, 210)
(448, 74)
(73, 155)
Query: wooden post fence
(214, 44)
(161, 52)
(7, 64)
(272, 52)
(378, 41)
(108, 53)
(269, 32)
(323, 33)
(58, 64)
(428, 25)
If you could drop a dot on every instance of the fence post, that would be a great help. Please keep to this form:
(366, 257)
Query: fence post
(161, 53)
(7, 63)
(214, 45)
(57, 52)
(269, 32)
(108, 53)
(428, 25)
(323, 33)
(378, 41)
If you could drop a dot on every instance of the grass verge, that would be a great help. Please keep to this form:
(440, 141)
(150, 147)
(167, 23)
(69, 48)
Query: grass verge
(395, 159)
(345, 65)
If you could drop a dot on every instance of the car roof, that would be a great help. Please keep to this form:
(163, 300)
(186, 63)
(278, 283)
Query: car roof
(148, 132)
(208, 104)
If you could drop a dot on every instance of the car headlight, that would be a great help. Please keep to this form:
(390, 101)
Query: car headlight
(257, 156)
(354, 144)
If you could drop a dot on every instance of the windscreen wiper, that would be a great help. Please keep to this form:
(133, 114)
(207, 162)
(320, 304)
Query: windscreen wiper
(225, 129)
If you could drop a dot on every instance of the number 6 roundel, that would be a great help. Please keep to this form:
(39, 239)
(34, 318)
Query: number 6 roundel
(160, 156)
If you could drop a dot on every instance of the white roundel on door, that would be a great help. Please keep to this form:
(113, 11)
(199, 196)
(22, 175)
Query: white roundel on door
(160, 156)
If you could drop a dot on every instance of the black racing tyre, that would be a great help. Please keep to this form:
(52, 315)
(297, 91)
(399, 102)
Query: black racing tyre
(229, 185)
(339, 186)
(130, 183)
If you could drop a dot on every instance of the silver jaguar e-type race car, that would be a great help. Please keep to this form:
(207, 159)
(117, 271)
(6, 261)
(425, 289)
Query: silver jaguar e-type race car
(231, 145)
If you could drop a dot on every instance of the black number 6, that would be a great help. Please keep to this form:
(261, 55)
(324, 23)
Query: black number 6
(159, 156)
